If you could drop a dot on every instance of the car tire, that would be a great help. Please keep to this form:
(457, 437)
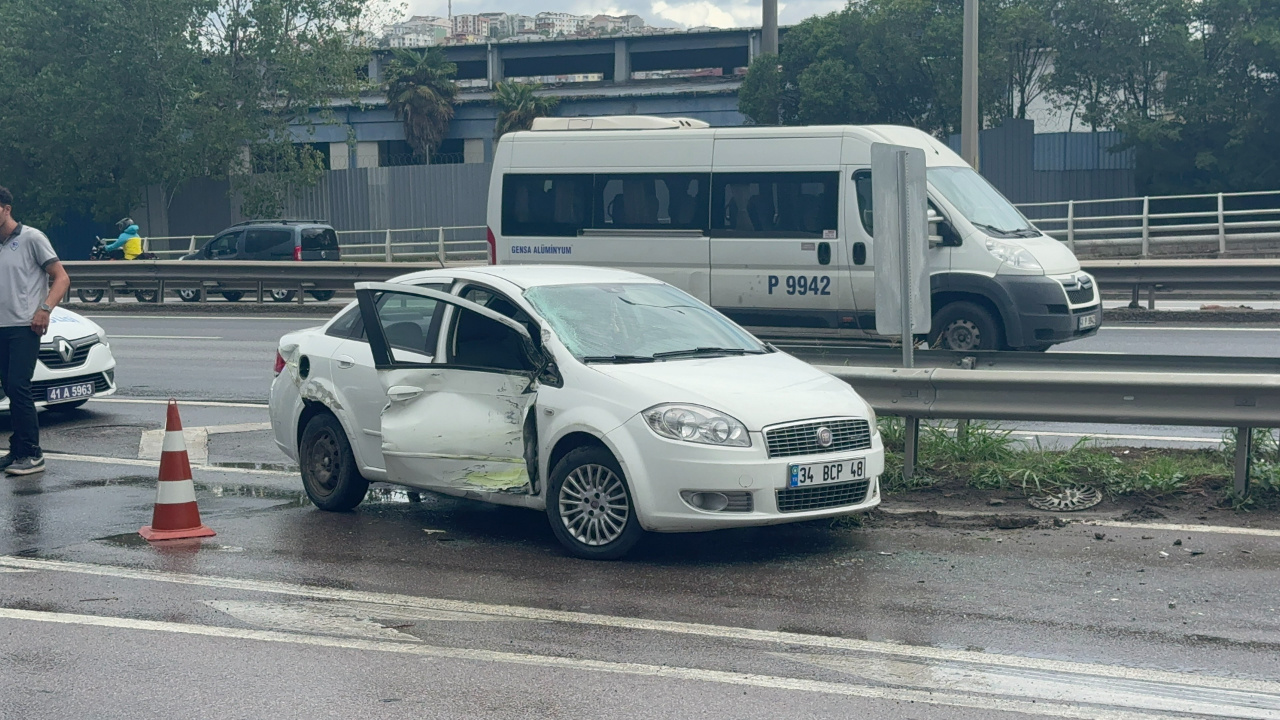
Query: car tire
(322, 295)
(233, 295)
(283, 295)
(89, 296)
(146, 296)
(579, 483)
(329, 472)
(188, 295)
(965, 326)
(66, 407)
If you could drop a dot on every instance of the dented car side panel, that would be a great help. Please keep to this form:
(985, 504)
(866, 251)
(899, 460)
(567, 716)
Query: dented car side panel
(463, 433)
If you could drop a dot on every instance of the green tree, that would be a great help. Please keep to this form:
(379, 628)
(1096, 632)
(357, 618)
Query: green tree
(519, 105)
(1023, 45)
(421, 90)
(760, 96)
(105, 98)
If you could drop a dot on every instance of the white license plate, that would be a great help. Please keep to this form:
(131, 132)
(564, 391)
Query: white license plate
(1088, 321)
(65, 393)
(830, 472)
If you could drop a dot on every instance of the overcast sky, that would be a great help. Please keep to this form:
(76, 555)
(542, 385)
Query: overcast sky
(665, 13)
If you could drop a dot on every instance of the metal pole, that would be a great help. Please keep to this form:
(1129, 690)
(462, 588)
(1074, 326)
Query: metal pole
(911, 425)
(192, 247)
(1222, 228)
(769, 28)
(1071, 225)
(1146, 226)
(969, 87)
(387, 254)
(1244, 453)
(440, 246)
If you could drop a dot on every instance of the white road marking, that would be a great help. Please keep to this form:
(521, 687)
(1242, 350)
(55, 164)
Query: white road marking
(102, 460)
(13, 570)
(890, 694)
(308, 618)
(165, 337)
(196, 438)
(195, 403)
(110, 316)
(1176, 527)
(647, 625)
(1053, 687)
(237, 428)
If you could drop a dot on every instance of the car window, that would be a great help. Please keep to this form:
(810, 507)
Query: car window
(781, 204)
(267, 241)
(347, 324)
(222, 246)
(407, 322)
(318, 239)
(476, 341)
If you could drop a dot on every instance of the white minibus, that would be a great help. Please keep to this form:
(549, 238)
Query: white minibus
(773, 226)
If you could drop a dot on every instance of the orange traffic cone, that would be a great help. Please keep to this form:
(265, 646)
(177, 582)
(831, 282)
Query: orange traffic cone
(176, 515)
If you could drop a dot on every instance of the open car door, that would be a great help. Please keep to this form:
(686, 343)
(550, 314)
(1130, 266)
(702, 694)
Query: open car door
(462, 422)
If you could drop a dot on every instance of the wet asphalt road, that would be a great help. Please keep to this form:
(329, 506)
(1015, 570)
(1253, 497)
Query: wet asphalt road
(435, 607)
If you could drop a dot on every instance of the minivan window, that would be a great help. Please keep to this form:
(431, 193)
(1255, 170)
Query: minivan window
(634, 321)
(775, 205)
(545, 205)
(650, 201)
(261, 241)
(223, 245)
(866, 202)
(318, 239)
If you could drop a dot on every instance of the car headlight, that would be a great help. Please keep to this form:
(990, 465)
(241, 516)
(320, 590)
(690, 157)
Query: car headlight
(697, 424)
(1013, 255)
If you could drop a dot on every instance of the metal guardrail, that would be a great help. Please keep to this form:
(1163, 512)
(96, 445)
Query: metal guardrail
(1197, 275)
(1083, 227)
(1084, 388)
(458, 243)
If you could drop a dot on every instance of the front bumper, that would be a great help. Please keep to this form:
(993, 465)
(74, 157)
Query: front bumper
(99, 367)
(1046, 314)
(659, 470)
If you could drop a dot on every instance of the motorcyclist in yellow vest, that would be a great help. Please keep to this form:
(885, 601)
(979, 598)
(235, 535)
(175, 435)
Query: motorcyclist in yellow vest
(129, 241)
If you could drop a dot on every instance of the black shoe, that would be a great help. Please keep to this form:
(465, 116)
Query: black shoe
(6, 461)
(26, 466)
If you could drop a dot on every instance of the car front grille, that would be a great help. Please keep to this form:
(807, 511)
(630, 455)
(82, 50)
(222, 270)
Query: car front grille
(818, 497)
(53, 360)
(1081, 295)
(802, 438)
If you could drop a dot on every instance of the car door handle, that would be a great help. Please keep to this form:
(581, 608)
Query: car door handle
(400, 393)
(345, 361)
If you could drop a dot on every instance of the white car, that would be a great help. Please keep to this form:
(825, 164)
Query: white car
(614, 402)
(75, 364)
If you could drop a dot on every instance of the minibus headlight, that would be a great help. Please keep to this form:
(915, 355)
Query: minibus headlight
(1013, 255)
(696, 424)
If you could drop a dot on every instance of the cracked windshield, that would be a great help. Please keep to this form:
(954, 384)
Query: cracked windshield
(640, 322)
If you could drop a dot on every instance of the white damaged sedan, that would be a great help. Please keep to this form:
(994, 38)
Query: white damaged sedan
(613, 402)
(75, 363)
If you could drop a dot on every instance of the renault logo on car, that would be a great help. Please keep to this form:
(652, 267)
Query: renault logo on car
(824, 437)
(65, 351)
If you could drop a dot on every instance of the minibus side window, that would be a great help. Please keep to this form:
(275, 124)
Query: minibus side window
(545, 205)
(652, 201)
(862, 188)
(775, 205)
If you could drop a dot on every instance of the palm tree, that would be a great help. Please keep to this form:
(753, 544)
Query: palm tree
(421, 91)
(518, 105)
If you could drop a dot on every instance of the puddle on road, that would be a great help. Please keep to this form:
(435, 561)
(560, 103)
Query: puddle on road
(399, 495)
(290, 498)
(269, 466)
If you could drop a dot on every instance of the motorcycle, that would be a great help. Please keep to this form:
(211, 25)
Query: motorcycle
(99, 252)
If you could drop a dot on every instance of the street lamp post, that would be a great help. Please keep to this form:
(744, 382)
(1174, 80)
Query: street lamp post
(969, 86)
(769, 28)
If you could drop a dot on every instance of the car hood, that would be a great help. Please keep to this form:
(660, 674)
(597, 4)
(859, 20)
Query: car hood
(758, 390)
(70, 326)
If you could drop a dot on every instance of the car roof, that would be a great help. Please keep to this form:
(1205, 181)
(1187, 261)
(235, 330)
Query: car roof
(529, 276)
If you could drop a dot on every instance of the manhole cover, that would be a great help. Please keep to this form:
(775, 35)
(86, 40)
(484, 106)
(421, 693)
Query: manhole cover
(1068, 499)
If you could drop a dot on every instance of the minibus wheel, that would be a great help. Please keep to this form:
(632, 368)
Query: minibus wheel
(965, 326)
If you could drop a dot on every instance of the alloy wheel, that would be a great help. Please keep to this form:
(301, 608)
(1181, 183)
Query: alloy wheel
(593, 505)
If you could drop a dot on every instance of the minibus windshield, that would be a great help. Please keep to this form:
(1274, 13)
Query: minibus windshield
(980, 203)
(637, 322)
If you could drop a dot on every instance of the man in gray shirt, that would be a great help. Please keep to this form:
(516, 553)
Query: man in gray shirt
(27, 299)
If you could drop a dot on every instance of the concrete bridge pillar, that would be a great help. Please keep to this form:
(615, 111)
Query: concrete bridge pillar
(495, 70)
(621, 62)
